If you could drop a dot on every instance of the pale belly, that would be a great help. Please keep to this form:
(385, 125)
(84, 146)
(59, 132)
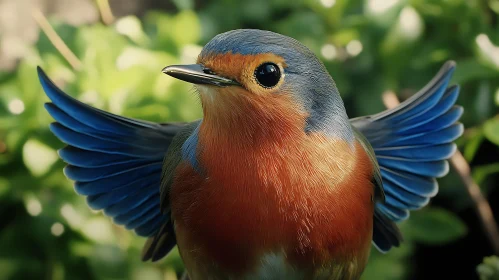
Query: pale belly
(274, 266)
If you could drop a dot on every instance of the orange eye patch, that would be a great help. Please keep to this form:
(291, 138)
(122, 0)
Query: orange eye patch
(242, 68)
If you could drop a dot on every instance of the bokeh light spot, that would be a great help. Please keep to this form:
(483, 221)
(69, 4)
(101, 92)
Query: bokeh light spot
(354, 47)
(72, 217)
(328, 51)
(38, 157)
(328, 3)
(488, 48)
(380, 6)
(410, 23)
(16, 106)
(34, 207)
(57, 229)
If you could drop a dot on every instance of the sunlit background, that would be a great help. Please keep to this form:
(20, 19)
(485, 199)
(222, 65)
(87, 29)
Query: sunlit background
(109, 54)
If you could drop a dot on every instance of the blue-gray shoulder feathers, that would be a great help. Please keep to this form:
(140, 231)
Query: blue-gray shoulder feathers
(306, 76)
(412, 143)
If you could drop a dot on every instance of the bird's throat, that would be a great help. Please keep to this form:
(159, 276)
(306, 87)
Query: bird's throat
(248, 118)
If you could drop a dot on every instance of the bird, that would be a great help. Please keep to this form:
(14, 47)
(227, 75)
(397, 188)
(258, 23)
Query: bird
(275, 181)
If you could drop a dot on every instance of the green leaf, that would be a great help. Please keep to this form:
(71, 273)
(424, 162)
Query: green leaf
(489, 268)
(480, 173)
(487, 50)
(483, 106)
(435, 226)
(391, 266)
(473, 144)
(491, 130)
(470, 69)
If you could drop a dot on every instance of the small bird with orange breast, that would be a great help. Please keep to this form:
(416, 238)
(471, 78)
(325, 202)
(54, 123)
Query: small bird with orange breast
(275, 182)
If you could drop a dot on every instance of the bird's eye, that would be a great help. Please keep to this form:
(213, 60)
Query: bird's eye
(268, 75)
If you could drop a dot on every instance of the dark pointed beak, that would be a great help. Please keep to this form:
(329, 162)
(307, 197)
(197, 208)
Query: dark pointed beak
(197, 74)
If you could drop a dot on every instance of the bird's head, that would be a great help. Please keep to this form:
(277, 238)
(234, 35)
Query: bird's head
(261, 78)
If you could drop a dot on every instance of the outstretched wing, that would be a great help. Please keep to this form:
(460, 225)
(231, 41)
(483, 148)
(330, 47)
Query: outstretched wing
(116, 162)
(412, 143)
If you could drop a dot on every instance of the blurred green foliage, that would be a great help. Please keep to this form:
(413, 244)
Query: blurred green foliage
(47, 231)
(489, 269)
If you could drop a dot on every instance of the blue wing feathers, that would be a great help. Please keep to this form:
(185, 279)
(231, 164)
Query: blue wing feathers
(425, 103)
(394, 213)
(130, 218)
(105, 200)
(93, 117)
(412, 143)
(99, 144)
(114, 183)
(152, 226)
(115, 161)
(447, 102)
(92, 174)
(384, 232)
(432, 137)
(135, 220)
(426, 168)
(89, 159)
(83, 141)
(442, 121)
(411, 200)
(111, 202)
(157, 247)
(413, 183)
(419, 153)
(413, 124)
(67, 121)
(131, 204)
(427, 96)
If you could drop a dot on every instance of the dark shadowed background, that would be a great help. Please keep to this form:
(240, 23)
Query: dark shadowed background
(109, 54)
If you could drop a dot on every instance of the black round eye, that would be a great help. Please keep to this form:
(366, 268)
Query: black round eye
(268, 74)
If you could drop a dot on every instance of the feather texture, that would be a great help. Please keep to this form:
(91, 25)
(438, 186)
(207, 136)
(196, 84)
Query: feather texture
(412, 143)
(115, 161)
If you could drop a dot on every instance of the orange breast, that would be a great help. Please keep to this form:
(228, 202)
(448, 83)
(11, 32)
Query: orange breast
(307, 196)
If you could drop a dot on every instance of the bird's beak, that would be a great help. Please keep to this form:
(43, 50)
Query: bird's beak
(197, 74)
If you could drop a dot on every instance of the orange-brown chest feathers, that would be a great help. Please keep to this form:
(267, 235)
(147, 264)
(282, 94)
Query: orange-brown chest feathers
(268, 187)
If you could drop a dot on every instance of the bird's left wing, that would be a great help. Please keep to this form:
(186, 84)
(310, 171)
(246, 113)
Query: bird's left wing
(411, 144)
(116, 162)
